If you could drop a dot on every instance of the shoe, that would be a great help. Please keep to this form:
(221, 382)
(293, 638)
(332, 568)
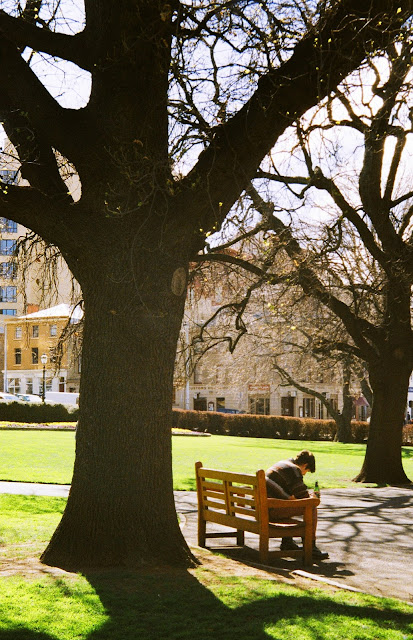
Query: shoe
(318, 554)
(289, 545)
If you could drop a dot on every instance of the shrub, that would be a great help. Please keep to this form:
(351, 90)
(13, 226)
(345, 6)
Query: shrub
(408, 434)
(281, 427)
(255, 426)
(26, 412)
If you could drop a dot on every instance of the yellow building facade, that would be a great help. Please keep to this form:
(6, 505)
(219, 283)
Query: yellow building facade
(31, 346)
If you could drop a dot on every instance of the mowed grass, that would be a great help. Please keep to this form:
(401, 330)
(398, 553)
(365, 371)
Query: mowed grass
(48, 456)
(205, 602)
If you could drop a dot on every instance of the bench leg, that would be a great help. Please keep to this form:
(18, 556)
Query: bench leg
(240, 538)
(263, 549)
(308, 550)
(201, 533)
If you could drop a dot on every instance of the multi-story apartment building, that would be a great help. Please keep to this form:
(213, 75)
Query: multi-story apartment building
(209, 377)
(247, 383)
(31, 346)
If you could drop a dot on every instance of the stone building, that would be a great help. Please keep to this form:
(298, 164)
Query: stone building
(32, 352)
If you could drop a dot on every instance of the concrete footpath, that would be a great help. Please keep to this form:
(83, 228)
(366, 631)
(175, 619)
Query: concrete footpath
(368, 533)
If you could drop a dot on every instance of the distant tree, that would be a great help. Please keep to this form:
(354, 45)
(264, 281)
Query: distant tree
(186, 100)
(357, 259)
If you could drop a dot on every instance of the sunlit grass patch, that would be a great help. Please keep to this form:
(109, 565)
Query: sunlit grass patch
(26, 523)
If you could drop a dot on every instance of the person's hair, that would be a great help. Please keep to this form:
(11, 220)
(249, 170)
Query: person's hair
(305, 457)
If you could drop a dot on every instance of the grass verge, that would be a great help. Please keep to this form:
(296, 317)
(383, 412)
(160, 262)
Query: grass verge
(48, 456)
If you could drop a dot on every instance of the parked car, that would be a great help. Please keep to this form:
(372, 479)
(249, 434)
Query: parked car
(8, 397)
(223, 410)
(29, 397)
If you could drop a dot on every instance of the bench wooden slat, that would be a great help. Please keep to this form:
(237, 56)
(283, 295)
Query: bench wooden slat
(250, 501)
(233, 521)
(250, 513)
(239, 478)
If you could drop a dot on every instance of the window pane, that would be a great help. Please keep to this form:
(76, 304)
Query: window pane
(8, 176)
(35, 331)
(14, 385)
(8, 226)
(18, 332)
(7, 247)
(8, 294)
(8, 270)
(35, 355)
(17, 356)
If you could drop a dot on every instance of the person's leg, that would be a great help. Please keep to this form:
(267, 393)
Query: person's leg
(284, 515)
(317, 553)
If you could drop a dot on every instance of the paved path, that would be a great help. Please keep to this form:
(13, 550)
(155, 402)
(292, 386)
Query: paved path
(367, 532)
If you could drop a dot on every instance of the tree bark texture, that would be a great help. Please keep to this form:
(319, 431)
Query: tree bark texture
(120, 509)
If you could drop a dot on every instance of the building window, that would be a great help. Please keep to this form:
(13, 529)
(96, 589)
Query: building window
(8, 270)
(17, 356)
(260, 405)
(7, 247)
(52, 354)
(29, 385)
(288, 406)
(220, 403)
(62, 384)
(8, 312)
(8, 294)
(49, 385)
(14, 385)
(8, 226)
(18, 333)
(35, 355)
(53, 330)
(309, 407)
(8, 176)
(35, 331)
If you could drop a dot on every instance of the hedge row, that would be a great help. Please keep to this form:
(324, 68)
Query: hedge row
(26, 412)
(282, 427)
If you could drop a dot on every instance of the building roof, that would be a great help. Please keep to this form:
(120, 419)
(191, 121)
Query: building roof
(59, 311)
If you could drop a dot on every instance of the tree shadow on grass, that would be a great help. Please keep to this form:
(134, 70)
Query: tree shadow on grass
(176, 605)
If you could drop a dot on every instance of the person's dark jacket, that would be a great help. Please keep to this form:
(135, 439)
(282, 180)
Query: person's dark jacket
(284, 479)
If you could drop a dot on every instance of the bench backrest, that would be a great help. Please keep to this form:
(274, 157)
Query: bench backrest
(227, 496)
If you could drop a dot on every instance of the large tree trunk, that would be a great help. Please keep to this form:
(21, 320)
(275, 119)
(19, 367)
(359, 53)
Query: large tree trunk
(383, 461)
(120, 509)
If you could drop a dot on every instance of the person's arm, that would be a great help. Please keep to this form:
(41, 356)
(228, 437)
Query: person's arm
(274, 490)
(297, 486)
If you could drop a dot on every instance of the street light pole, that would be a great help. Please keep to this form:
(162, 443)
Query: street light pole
(187, 368)
(43, 359)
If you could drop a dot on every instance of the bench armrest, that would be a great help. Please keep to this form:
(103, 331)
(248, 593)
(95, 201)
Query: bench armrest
(274, 503)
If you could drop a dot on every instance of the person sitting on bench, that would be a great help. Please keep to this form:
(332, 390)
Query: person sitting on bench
(285, 480)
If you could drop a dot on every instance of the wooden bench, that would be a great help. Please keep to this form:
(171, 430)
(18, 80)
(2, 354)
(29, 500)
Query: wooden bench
(240, 501)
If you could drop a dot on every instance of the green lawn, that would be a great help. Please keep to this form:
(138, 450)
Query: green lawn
(173, 605)
(47, 456)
